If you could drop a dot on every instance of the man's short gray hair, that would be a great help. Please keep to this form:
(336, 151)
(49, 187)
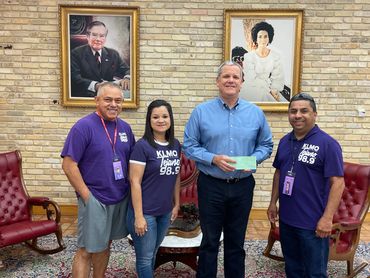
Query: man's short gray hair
(230, 63)
(106, 85)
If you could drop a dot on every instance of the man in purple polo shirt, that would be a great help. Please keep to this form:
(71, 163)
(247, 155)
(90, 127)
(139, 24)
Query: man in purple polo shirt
(95, 161)
(308, 182)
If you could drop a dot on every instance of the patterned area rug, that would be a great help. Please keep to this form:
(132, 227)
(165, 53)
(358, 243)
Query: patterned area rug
(20, 261)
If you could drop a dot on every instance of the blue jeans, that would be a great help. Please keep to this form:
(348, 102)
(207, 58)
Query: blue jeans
(223, 207)
(146, 246)
(305, 254)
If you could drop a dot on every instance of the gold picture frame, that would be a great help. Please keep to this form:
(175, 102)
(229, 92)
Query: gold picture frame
(119, 52)
(269, 82)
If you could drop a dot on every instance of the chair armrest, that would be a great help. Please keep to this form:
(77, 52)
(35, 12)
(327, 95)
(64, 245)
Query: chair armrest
(37, 201)
(341, 227)
(51, 207)
(347, 225)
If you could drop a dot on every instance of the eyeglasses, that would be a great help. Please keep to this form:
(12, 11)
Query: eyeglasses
(238, 59)
(111, 100)
(302, 96)
(97, 36)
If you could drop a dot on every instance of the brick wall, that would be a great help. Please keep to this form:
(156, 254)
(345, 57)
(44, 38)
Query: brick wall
(180, 49)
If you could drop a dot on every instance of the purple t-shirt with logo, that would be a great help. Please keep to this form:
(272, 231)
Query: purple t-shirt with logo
(162, 165)
(317, 157)
(87, 144)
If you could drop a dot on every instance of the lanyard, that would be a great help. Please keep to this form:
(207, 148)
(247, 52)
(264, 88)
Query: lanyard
(107, 133)
(294, 155)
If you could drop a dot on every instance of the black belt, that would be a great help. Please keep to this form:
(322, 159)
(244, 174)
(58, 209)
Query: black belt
(229, 181)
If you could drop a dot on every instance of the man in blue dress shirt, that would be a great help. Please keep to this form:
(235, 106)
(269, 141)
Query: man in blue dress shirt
(218, 129)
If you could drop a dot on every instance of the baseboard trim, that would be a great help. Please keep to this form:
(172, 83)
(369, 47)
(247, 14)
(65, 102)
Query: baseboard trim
(71, 210)
(66, 210)
(258, 214)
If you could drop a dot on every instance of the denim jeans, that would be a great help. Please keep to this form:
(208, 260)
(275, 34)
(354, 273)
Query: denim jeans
(223, 207)
(146, 246)
(305, 254)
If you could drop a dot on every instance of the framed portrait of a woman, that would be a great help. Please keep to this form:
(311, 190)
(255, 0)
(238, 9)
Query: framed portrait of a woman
(267, 44)
(98, 44)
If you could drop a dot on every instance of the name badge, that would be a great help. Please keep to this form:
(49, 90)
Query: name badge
(288, 183)
(117, 168)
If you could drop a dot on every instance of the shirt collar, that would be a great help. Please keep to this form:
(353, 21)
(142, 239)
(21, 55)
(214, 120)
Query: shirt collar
(93, 52)
(313, 131)
(224, 105)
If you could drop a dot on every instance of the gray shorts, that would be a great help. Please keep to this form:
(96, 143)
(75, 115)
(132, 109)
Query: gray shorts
(99, 223)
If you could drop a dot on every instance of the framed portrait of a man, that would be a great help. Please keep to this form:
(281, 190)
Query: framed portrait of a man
(267, 44)
(98, 44)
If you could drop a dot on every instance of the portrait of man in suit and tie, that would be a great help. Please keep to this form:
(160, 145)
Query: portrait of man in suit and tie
(97, 45)
(94, 63)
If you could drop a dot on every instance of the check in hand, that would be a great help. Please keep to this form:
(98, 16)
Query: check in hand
(222, 162)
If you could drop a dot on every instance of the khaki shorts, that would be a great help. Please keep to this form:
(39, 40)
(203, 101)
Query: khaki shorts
(99, 223)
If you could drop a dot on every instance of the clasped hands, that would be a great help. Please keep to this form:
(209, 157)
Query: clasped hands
(124, 83)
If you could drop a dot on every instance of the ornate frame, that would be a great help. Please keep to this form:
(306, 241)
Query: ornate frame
(119, 20)
(288, 29)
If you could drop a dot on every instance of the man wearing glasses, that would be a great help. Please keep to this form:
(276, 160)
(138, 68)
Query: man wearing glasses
(308, 182)
(93, 63)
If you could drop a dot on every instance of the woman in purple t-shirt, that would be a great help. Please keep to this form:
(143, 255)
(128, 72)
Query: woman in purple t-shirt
(155, 185)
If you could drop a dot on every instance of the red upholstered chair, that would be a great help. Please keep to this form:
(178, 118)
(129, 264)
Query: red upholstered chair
(16, 223)
(188, 200)
(189, 175)
(184, 226)
(347, 220)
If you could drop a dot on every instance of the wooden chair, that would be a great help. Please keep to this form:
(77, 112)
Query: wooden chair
(347, 220)
(16, 223)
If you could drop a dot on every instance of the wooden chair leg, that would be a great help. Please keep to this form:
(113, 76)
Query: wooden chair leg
(268, 248)
(59, 236)
(2, 266)
(352, 272)
(34, 246)
(349, 268)
(267, 251)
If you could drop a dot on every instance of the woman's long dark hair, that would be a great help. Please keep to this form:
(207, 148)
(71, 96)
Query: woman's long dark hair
(170, 133)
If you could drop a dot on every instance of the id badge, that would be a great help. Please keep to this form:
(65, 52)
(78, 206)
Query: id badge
(288, 183)
(117, 168)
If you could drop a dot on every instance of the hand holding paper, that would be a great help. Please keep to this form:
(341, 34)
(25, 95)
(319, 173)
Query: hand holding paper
(244, 162)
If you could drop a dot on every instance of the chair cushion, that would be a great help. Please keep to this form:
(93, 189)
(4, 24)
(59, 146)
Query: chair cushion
(188, 178)
(25, 230)
(188, 168)
(344, 246)
(13, 198)
(356, 178)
